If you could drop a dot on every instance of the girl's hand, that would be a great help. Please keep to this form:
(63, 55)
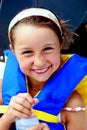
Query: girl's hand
(20, 106)
(40, 126)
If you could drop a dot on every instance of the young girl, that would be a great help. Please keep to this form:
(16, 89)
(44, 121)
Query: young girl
(38, 80)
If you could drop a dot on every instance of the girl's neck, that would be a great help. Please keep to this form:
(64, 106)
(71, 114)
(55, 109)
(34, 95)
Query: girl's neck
(34, 87)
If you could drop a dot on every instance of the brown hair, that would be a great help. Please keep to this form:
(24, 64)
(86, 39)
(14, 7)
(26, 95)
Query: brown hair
(42, 21)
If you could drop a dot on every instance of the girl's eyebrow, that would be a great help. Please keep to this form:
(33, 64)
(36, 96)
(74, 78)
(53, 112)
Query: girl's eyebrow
(25, 48)
(50, 43)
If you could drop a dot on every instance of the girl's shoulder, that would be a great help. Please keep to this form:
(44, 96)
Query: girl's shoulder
(73, 105)
(75, 100)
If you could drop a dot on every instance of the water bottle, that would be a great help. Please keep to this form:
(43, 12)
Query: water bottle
(25, 123)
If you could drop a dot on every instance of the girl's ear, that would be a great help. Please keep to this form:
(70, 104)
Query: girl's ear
(62, 44)
(11, 48)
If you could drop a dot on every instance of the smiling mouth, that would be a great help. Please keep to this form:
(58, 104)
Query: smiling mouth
(41, 71)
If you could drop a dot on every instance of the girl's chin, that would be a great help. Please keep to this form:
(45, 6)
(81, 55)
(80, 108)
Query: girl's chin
(42, 79)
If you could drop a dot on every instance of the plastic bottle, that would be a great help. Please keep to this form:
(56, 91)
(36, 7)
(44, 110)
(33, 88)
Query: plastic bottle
(25, 123)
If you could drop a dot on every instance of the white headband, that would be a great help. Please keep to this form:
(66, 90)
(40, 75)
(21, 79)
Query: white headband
(34, 12)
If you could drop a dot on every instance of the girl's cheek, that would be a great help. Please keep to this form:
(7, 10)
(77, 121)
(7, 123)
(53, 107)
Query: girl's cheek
(25, 64)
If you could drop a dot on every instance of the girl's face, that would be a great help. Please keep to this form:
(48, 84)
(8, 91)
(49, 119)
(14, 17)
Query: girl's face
(38, 51)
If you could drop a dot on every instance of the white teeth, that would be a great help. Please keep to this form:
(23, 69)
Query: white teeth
(39, 71)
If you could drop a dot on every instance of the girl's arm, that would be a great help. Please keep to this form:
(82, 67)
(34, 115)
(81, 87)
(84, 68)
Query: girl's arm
(4, 123)
(75, 120)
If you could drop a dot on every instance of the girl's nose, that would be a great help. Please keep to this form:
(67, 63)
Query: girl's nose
(39, 61)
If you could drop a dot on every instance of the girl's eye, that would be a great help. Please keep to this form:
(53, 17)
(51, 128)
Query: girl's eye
(48, 48)
(27, 53)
